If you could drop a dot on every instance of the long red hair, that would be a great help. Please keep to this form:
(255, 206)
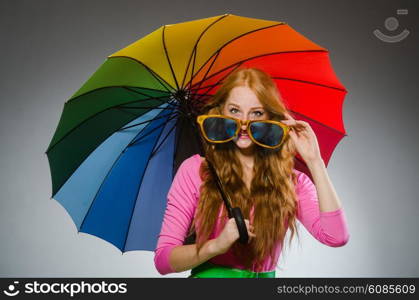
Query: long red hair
(272, 191)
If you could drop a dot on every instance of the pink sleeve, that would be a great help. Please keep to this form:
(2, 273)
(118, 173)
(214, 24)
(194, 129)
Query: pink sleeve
(330, 228)
(180, 210)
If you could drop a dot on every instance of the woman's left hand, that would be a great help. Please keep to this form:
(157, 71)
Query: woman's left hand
(304, 138)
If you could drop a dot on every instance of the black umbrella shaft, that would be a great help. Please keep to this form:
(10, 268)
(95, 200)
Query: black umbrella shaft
(225, 196)
(232, 212)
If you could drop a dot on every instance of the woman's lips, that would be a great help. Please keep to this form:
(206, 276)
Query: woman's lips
(243, 136)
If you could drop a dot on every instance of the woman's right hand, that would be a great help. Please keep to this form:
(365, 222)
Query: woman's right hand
(230, 234)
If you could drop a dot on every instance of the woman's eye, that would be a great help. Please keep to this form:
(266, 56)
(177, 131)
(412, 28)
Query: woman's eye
(258, 113)
(233, 110)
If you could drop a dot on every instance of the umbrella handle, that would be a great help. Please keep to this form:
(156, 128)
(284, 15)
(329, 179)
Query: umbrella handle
(241, 225)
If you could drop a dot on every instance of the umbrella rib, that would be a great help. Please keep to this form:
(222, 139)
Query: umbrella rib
(149, 97)
(193, 66)
(241, 62)
(291, 79)
(228, 73)
(311, 82)
(194, 51)
(144, 122)
(142, 107)
(84, 159)
(156, 76)
(208, 70)
(253, 57)
(104, 180)
(161, 143)
(230, 41)
(138, 189)
(123, 108)
(168, 59)
(317, 122)
(159, 79)
(84, 121)
(112, 86)
(134, 141)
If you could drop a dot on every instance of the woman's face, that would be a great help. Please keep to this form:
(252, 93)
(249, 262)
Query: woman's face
(242, 103)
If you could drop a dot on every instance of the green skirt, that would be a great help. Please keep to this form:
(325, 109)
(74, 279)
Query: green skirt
(210, 270)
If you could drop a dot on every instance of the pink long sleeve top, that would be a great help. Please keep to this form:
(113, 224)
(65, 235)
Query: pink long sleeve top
(330, 228)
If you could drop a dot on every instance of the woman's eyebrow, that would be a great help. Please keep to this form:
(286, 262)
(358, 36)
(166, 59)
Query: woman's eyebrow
(257, 107)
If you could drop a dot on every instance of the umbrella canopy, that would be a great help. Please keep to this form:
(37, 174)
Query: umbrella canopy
(123, 134)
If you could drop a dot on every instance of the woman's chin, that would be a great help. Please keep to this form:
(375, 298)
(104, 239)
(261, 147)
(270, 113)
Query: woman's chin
(244, 144)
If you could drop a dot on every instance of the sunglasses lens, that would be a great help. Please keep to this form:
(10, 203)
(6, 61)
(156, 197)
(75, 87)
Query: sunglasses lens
(267, 134)
(219, 129)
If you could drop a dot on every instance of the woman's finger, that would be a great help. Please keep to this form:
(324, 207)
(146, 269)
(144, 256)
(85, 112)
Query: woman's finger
(304, 124)
(293, 136)
(288, 116)
(290, 123)
(300, 124)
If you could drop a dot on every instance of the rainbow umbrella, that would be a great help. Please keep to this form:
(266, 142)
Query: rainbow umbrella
(123, 134)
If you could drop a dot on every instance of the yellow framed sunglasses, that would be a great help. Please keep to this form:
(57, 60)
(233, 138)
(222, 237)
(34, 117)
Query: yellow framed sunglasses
(222, 129)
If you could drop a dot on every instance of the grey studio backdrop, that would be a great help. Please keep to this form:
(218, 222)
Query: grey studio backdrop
(50, 48)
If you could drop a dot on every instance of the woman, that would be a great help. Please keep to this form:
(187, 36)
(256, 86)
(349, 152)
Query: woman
(262, 182)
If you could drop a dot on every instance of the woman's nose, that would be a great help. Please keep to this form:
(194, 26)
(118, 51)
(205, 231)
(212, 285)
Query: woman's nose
(244, 122)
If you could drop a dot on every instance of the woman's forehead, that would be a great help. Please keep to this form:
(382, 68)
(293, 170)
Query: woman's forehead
(244, 101)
